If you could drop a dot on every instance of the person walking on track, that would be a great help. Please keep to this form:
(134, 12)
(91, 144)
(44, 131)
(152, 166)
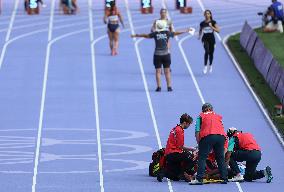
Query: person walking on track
(112, 18)
(207, 29)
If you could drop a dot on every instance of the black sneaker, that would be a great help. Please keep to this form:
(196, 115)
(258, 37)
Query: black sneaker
(269, 176)
(160, 176)
(170, 89)
(158, 89)
(224, 181)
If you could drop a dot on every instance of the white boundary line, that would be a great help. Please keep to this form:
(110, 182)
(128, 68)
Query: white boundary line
(136, 42)
(12, 20)
(278, 135)
(95, 89)
(39, 134)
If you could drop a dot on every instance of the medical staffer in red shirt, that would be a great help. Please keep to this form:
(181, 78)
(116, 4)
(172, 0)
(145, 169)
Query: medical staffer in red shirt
(176, 152)
(210, 134)
(243, 147)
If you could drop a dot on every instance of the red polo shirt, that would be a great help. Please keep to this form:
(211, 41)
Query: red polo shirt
(175, 141)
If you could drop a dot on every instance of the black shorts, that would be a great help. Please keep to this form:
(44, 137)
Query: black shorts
(112, 27)
(160, 60)
(65, 2)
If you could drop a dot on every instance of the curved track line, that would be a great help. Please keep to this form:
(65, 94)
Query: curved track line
(43, 97)
(36, 24)
(32, 33)
(12, 20)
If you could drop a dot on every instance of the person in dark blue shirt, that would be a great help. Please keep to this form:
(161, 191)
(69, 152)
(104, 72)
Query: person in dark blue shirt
(278, 10)
(272, 23)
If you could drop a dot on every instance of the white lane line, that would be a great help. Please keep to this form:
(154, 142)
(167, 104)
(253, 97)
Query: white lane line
(9, 31)
(36, 32)
(43, 98)
(262, 108)
(136, 43)
(12, 20)
(39, 134)
(94, 75)
(189, 68)
(40, 23)
(95, 92)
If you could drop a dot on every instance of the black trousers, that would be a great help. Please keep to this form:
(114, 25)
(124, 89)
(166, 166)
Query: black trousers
(252, 159)
(209, 48)
(206, 144)
(177, 164)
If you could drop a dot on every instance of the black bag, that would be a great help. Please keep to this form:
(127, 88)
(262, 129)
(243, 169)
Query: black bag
(157, 162)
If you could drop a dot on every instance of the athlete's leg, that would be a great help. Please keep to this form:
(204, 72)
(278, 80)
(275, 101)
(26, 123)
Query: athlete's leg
(166, 64)
(116, 40)
(158, 77)
(168, 76)
(110, 36)
(206, 55)
(211, 53)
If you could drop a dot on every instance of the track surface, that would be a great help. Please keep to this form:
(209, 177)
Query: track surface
(73, 118)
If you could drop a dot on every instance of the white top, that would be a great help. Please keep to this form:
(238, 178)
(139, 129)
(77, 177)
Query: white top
(112, 18)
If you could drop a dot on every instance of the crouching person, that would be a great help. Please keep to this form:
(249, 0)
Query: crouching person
(178, 161)
(243, 147)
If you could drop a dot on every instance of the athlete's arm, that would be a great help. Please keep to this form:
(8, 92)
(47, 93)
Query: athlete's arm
(171, 28)
(227, 157)
(231, 147)
(200, 32)
(197, 129)
(105, 17)
(179, 32)
(121, 19)
(141, 35)
(153, 26)
(215, 27)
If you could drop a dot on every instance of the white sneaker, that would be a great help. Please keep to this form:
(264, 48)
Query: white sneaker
(43, 5)
(205, 69)
(210, 69)
(195, 182)
(237, 178)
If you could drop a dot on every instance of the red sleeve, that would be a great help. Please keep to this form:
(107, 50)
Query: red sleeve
(180, 137)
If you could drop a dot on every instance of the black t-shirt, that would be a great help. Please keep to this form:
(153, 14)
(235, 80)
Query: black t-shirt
(161, 41)
(208, 32)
